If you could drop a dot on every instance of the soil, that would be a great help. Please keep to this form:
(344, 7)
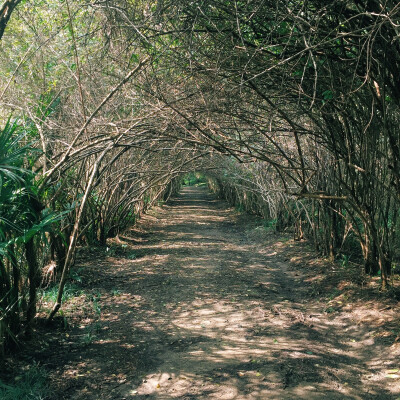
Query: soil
(200, 302)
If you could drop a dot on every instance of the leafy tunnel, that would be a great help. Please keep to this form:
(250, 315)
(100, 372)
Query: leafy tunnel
(288, 109)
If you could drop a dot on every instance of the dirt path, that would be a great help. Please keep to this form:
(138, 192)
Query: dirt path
(197, 309)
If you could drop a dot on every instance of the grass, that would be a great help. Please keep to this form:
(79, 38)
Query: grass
(70, 300)
(49, 295)
(88, 339)
(131, 256)
(31, 385)
(269, 225)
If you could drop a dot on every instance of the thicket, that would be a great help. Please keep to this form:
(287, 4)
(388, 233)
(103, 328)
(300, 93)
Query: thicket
(292, 107)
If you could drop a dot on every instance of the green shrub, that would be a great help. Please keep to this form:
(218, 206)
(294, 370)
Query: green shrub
(31, 385)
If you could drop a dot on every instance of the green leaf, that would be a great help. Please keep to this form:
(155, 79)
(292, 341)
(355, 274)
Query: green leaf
(134, 58)
(327, 95)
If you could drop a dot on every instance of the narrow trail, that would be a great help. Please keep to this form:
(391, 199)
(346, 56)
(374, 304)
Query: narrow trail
(200, 311)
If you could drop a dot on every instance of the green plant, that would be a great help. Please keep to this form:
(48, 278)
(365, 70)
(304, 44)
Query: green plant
(24, 225)
(194, 178)
(239, 208)
(88, 338)
(97, 327)
(97, 308)
(31, 385)
(110, 251)
(395, 268)
(270, 225)
(75, 275)
(95, 301)
(335, 293)
(49, 295)
(20, 220)
(344, 262)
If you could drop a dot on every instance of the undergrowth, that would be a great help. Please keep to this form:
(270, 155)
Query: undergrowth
(31, 385)
(49, 295)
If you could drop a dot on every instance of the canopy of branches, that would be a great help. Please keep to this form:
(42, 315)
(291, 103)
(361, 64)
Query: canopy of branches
(290, 107)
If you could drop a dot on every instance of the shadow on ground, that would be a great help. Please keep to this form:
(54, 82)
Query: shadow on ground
(194, 309)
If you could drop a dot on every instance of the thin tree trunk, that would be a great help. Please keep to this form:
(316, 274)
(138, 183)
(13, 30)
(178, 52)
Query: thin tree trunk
(5, 13)
(75, 232)
(33, 272)
(14, 319)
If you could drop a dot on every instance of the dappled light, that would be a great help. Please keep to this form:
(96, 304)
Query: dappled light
(199, 199)
(202, 312)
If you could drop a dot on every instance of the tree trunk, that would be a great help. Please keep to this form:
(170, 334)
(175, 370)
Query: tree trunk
(5, 13)
(14, 317)
(75, 232)
(33, 277)
(371, 264)
(60, 253)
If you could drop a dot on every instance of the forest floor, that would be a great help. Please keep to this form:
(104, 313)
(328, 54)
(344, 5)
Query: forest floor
(200, 302)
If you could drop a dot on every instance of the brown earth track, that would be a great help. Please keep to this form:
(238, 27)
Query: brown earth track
(208, 307)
